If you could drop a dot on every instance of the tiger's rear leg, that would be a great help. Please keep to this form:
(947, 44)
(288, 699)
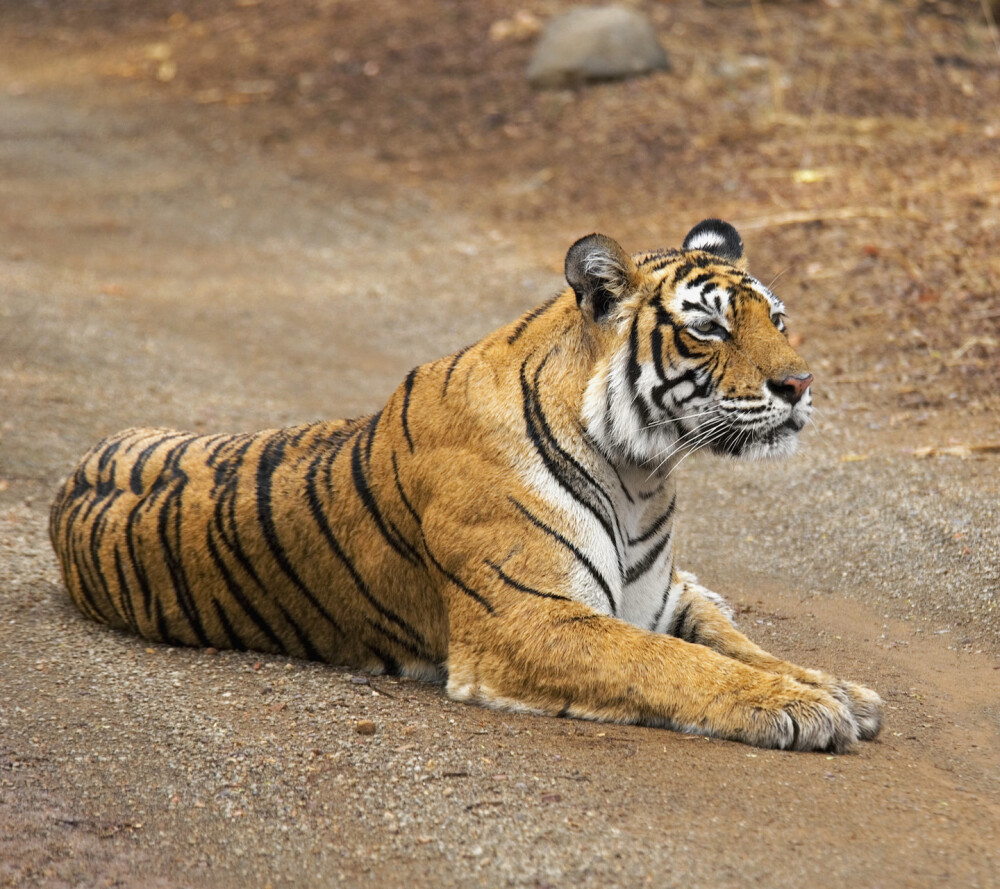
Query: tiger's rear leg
(702, 617)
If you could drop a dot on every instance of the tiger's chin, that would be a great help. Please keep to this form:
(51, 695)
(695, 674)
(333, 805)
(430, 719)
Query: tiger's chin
(775, 443)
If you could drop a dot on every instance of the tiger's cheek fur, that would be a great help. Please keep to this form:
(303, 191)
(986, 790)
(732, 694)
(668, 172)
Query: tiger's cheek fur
(766, 351)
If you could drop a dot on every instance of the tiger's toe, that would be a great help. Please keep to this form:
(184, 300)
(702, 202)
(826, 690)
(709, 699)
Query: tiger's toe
(822, 724)
(866, 707)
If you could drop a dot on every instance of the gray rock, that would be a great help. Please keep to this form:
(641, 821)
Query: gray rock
(595, 43)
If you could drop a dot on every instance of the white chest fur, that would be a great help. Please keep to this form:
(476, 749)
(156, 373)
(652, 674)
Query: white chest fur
(625, 545)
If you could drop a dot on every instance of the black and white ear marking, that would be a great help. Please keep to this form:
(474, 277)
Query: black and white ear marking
(716, 236)
(600, 272)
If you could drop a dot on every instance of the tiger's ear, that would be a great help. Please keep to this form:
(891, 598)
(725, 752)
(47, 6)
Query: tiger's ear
(718, 237)
(601, 274)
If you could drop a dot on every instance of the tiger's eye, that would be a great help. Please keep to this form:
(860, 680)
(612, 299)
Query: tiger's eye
(710, 328)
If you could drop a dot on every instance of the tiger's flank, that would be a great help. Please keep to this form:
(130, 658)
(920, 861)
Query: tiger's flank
(504, 524)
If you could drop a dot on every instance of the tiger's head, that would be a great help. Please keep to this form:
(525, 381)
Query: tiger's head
(692, 352)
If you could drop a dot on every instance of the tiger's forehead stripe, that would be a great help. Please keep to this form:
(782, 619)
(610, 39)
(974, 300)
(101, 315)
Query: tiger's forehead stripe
(699, 283)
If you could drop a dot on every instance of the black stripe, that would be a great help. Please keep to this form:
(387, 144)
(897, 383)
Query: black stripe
(135, 477)
(562, 465)
(300, 436)
(319, 516)
(238, 594)
(621, 483)
(372, 427)
(161, 623)
(138, 568)
(680, 345)
(173, 481)
(95, 539)
(227, 627)
(451, 369)
(267, 464)
(215, 445)
(107, 455)
(390, 666)
(657, 262)
(88, 606)
(634, 372)
(224, 494)
(386, 528)
(662, 608)
(402, 643)
(128, 606)
(407, 392)
(656, 345)
(402, 493)
(636, 571)
(528, 318)
(308, 648)
(659, 523)
(677, 624)
(577, 553)
(517, 585)
(458, 582)
(689, 376)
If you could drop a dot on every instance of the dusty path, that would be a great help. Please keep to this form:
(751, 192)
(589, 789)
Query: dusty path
(146, 281)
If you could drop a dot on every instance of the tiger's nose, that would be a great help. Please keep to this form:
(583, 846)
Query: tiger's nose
(791, 388)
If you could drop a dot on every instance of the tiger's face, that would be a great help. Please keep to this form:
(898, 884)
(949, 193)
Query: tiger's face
(696, 354)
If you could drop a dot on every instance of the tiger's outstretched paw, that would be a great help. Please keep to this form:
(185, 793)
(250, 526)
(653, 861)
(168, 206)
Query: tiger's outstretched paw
(799, 717)
(865, 705)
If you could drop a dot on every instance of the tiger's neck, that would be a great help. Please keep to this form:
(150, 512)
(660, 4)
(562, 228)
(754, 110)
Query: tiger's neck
(614, 504)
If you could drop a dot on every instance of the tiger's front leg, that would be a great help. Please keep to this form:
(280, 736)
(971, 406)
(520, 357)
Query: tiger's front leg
(702, 617)
(517, 640)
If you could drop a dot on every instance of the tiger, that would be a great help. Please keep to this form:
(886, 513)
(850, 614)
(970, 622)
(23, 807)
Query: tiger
(504, 525)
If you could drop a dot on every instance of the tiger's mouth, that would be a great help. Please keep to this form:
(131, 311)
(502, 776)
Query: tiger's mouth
(767, 442)
(795, 422)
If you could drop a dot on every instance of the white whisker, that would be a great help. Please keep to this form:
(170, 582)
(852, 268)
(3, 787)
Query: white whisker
(689, 442)
(775, 278)
(668, 420)
(702, 444)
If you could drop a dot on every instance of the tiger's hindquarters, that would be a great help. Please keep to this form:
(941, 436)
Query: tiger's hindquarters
(85, 518)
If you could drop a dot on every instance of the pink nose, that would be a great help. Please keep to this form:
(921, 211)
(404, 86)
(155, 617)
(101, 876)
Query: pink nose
(791, 388)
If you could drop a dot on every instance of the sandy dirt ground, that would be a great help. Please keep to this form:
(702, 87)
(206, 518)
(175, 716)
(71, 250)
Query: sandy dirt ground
(218, 217)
